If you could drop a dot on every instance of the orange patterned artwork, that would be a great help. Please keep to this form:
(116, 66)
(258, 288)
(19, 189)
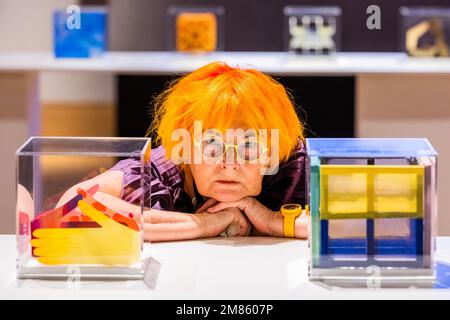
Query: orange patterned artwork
(196, 31)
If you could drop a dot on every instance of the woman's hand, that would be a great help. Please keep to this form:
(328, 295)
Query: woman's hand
(229, 220)
(208, 204)
(171, 226)
(262, 218)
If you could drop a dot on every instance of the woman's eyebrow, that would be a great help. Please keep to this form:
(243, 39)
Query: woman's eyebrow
(251, 135)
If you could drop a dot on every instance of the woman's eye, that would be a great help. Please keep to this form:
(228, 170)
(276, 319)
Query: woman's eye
(209, 140)
(250, 144)
(213, 142)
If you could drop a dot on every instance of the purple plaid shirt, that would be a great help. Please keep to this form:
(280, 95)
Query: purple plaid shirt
(167, 183)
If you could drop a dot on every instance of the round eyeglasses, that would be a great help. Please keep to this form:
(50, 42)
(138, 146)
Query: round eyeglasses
(250, 149)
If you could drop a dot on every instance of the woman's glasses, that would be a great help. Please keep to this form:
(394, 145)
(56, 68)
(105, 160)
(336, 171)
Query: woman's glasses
(213, 147)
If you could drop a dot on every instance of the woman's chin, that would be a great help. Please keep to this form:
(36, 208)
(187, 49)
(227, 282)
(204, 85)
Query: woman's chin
(228, 196)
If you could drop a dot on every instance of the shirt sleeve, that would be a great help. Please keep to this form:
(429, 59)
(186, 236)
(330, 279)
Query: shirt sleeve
(161, 188)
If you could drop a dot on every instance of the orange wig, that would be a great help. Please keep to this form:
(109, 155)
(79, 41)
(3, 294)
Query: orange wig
(222, 97)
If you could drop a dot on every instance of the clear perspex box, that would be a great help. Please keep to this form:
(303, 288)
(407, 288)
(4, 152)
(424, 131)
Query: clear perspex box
(373, 209)
(70, 216)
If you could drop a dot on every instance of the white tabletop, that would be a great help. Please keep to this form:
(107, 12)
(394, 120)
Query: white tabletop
(279, 63)
(218, 268)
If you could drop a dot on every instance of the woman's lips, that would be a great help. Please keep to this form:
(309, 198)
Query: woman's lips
(230, 182)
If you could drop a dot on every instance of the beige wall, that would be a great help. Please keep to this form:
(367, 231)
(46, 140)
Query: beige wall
(26, 25)
(17, 91)
(410, 106)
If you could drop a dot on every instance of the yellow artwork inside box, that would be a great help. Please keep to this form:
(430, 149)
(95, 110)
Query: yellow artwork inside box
(371, 191)
(111, 244)
(196, 31)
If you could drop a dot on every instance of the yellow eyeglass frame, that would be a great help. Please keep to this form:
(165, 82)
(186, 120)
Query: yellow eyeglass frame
(227, 146)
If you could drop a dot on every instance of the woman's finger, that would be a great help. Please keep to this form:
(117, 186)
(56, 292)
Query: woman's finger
(240, 204)
(208, 203)
(243, 204)
(224, 205)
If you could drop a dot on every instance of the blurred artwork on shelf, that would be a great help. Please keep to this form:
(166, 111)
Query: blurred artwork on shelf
(195, 29)
(312, 30)
(80, 34)
(425, 32)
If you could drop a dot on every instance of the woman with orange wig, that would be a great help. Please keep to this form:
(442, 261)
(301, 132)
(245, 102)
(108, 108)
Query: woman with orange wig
(241, 158)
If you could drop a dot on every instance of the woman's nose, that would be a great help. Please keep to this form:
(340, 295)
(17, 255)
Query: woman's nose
(232, 166)
(229, 160)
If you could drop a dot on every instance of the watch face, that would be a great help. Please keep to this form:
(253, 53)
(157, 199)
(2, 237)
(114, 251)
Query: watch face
(291, 206)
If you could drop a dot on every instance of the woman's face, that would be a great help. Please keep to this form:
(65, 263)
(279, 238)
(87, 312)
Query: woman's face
(227, 178)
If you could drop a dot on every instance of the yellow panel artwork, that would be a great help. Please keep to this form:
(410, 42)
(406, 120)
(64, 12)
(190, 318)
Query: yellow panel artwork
(371, 191)
(346, 193)
(196, 31)
(395, 192)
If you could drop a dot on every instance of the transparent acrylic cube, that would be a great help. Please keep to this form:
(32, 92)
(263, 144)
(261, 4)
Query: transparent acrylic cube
(70, 218)
(373, 206)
